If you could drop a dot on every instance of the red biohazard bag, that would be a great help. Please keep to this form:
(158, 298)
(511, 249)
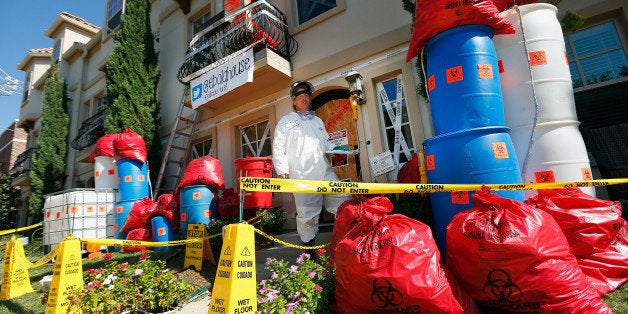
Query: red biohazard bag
(168, 207)
(131, 145)
(390, 264)
(139, 214)
(510, 256)
(228, 204)
(409, 172)
(595, 230)
(139, 234)
(205, 170)
(103, 147)
(432, 17)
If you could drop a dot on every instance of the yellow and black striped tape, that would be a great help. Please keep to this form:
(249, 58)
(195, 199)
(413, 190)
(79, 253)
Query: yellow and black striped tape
(8, 231)
(340, 187)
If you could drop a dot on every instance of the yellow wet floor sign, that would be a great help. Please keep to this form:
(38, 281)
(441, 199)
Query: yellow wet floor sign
(194, 250)
(234, 289)
(67, 276)
(15, 278)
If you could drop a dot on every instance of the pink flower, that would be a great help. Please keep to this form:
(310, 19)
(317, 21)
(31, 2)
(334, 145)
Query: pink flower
(312, 274)
(138, 271)
(125, 279)
(143, 256)
(319, 288)
(107, 256)
(98, 284)
(320, 252)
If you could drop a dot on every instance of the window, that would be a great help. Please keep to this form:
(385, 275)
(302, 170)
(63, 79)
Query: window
(394, 114)
(203, 148)
(596, 54)
(202, 22)
(254, 140)
(27, 86)
(56, 51)
(114, 13)
(309, 9)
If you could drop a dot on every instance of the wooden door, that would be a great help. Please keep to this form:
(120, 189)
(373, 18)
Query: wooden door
(338, 119)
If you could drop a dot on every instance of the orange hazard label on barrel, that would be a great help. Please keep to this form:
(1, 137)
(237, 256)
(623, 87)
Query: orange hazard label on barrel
(58, 215)
(196, 196)
(184, 217)
(566, 57)
(74, 209)
(485, 71)
(128, 178)
(537, 57)
(89, 209)
(207, 213)
(454, 74)
(586, 174)
(429, 162)
(431, 83)
(544, 176)
(119, 209)
(500, 150)
(500, 66)
(161, 231)
(460, 197)
(141, 178)
(111, 172)
(102, 208)
(115, 227)
(97, 174)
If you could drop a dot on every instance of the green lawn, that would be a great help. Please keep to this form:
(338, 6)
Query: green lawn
(31, 302)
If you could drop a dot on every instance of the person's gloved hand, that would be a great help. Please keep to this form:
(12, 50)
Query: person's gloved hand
(342, 147)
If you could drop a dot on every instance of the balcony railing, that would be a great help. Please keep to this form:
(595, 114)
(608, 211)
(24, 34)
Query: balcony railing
(259, 24)
(23, 162)
(91, 130)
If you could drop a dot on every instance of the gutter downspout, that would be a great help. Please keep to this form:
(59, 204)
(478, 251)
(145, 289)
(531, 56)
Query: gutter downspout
(73, 127)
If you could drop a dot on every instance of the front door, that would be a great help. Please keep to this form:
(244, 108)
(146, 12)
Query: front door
(334, 109)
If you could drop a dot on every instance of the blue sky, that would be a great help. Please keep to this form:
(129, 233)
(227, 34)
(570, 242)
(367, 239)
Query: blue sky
(22, 26)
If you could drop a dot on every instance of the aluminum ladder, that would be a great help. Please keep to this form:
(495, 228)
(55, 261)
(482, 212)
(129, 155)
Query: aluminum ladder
(179, 143)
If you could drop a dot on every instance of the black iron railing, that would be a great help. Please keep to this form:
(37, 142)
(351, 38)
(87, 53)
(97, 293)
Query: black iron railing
(259, 24)
(23, 162)
(91, 130)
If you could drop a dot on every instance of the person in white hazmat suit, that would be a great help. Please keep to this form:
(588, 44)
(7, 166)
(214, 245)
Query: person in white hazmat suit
(299, 147)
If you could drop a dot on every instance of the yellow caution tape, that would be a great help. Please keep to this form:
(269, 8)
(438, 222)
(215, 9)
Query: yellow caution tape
(8, 231)
(120, 242)
(47, 258)
(339, 187)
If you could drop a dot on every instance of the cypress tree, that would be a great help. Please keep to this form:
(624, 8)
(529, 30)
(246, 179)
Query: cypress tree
(132, 78)
(48, 164)
(8, 194)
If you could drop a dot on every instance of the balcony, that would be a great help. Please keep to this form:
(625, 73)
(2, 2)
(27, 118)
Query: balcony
(91, 130)
(22, 167)
(259, 26)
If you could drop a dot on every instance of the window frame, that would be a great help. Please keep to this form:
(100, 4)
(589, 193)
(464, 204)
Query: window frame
(118, 15)
(297, 27)
(27, 86)
(576, 60)
(259, 132)
(405, 125)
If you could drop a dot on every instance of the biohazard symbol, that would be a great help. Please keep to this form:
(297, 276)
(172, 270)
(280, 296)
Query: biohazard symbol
(485, 71)
(454, 74)
(384, 294)
(586, 174)
(227, 251)
(500, 288)
(544, 176)
(537, 58)
(246, 252)
(431, 83)
(460, 197)
(429, 162)
(500, 150)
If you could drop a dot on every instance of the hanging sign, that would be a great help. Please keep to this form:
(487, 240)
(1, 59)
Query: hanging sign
(382, 163)
(235, 71)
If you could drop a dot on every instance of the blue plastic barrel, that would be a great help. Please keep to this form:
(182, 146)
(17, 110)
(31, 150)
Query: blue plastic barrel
(120, 214)
(476, 156)
(463, 79)
(133, 179)
(199, 205)
(162, 231)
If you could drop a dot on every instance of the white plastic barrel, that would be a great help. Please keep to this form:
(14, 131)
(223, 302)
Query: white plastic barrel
(557, 154)
(105, 173)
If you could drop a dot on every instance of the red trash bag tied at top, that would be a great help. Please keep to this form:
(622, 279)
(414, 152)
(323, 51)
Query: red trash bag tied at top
(512, 257)
(432, 17)
(203, 171)
(595, 230)
(103, 147)
(390, 264)
(167, 206)
(228, 204)
(139, 214)
(131, 145)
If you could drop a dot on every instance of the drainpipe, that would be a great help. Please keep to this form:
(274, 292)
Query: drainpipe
(73, 129)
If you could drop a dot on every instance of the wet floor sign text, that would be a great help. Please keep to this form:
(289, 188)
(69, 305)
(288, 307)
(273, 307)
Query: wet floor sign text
(234, 289)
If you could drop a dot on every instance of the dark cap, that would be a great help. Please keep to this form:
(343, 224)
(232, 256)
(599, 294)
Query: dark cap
(309, 88)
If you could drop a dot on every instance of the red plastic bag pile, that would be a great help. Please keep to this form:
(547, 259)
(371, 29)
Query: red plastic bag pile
(432, 17)
(168, 206)
(205, 170)
(228, 204)
(510, 256)
(597, 234)
(409, 172)
(139, 234)
(139, 215)
(127, 144)
(390, 264)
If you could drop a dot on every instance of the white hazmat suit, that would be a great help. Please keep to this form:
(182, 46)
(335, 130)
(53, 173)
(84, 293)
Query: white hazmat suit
(299, 148)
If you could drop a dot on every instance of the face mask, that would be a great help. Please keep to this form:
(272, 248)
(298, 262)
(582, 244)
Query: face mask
(306, 115)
